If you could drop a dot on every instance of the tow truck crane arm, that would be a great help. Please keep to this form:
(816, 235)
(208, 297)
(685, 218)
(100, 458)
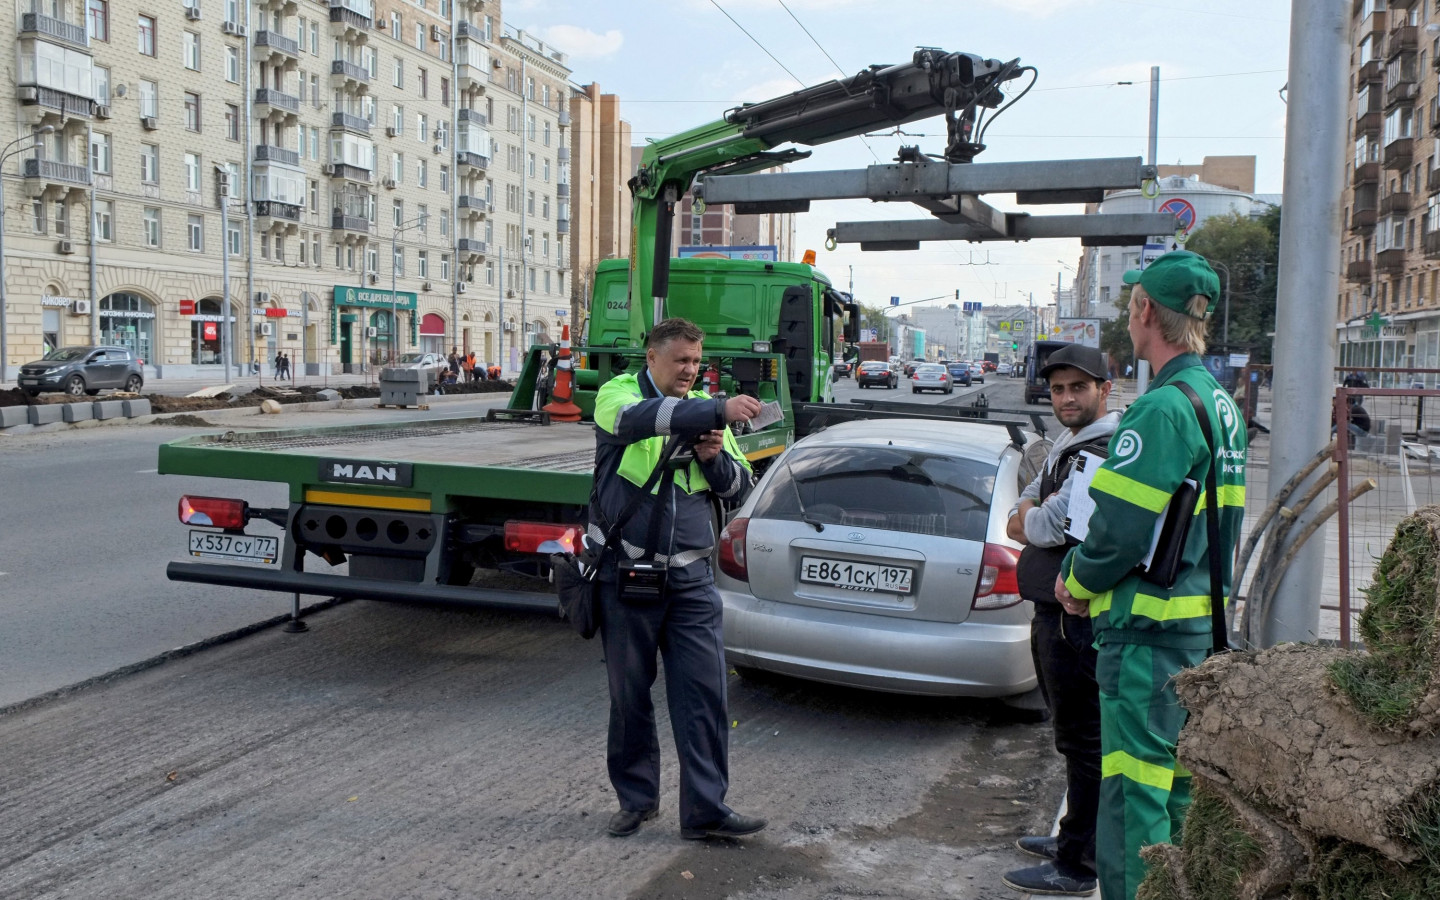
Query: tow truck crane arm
(933, 82)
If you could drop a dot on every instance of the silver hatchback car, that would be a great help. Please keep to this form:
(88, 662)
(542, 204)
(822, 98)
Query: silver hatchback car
(873, 554)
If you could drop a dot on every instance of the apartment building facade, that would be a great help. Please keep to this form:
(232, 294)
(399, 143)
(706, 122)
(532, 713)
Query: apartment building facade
(1387, 312)
(600, 172)
(337, 160)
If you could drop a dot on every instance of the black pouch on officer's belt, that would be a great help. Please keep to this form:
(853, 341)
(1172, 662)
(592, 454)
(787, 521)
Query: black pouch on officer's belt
(641, 583)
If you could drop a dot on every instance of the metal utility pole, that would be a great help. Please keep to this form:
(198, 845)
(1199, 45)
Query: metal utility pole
(1142, 368)
(1315, 134)
(222, 187)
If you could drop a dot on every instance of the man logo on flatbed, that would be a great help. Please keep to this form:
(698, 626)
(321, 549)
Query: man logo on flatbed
(354, 471)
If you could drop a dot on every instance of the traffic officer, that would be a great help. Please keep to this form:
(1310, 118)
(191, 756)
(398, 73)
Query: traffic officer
(1145, 634)
(679, 612)
(1062, 644)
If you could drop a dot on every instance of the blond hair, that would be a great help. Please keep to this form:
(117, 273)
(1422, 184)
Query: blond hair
(1182, 329)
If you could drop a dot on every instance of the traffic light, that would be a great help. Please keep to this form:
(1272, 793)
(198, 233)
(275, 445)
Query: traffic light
(1014, 345)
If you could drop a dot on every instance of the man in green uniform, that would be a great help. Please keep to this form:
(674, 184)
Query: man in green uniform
(1145, 634)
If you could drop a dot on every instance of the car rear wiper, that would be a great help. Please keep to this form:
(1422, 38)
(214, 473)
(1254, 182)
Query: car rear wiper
(807, 518)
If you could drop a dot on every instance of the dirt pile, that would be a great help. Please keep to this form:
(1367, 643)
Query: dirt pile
(1317, 771)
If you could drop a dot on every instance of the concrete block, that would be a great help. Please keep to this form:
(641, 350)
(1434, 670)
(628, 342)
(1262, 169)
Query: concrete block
(10, 416)
(46, 413)
(329, 394)
(108, 409)
(77, 412)
(135, 408)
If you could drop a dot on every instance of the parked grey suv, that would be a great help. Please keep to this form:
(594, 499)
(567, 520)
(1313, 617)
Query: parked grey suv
(82, 370)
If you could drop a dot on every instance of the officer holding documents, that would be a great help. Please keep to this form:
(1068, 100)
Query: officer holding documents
(1061, 643)
(1146, 633)
(657, 593)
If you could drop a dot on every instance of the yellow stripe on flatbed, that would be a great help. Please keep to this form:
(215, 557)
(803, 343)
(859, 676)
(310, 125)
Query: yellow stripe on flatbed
(767, 452)
(370, 501)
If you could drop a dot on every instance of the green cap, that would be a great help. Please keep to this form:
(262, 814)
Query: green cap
(1172, 279)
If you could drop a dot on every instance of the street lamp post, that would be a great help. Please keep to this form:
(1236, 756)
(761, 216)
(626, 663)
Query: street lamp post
(8, 151)
(394, 301)
(1225, 332)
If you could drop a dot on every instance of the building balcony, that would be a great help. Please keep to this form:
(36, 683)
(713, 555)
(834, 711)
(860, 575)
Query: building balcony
(1390, 262)
(472, 117)
(275, 101)
(1362, 219)
(1371, 72)
(1368, 124)
(265, 153)
(344, 73)
(470, 248)
(1400, 92)
(41, 174)
(1406, 37)
(277, 43)
(473, 6)
(562, 226)
(1374, 25)
(474, 78)
(1398, 153)
(564, 118)
(34, 24)
(562, 191)
(469, 31)
(38, 102)
(357, 124)
(347, 172)
(272, 215)
(473, 160)
(1432, 181)
(472, 206)
(346, 19)
(350, 225)
(1366, 173)
(562, 154)
(1398, 202)
(1359, 271)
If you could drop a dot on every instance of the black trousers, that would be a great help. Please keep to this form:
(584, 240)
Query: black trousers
(1064, 651)
(686, 631)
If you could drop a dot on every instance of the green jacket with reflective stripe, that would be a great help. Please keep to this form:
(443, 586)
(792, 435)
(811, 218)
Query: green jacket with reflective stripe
(1157, 445)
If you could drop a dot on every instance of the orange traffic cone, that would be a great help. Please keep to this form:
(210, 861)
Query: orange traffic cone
(563, 408)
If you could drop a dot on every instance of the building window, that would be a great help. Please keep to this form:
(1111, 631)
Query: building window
(127, 320)
(445, 91)
(102, 85)
(149, 99)
(372, 259)
(442, 134)
(422, 218)
(419, 35)
(489, 273)
(265, 246)
(398, 262)
(232, 121)
(545, 169)
(422, 127)
(190, 43)
(397, 167)
(547, 134)
(315, 248)
(150, 163)
(192, 172)
(99, 153)
(147, 35)
(62, 218)
(234, 241)
(195, 230)
(37, 216)
(445, 178)
(530, 168)
(232, 64)
(422, 264)
(444, 223)
(315, 200)
(152, 226)
(444, 267)
(192, 111)
(397, 213)
(530, 203)
(395, 24)
(103, 223)
(422, 173)
(398, 77)
(98, 19)
(545, 207)
(424, 84)
(397, 118)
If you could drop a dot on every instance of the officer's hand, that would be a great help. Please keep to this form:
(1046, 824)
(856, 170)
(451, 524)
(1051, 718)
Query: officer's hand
(709, 445)
(1067, 600)
(741, 408)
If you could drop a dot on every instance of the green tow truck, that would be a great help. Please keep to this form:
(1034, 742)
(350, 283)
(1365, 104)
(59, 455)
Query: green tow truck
(416, 509)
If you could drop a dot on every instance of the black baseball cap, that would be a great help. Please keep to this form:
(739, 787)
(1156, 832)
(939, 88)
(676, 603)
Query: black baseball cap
(1077, 356)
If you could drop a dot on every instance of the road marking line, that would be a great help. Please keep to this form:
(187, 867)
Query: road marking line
(147, 471)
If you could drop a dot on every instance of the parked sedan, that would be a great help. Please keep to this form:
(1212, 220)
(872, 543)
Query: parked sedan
(977, 372)
(1003, 369)
(931, 377)
(82, 370)
(435, 364)
(874, 555)
(877, 373)
(960, 373)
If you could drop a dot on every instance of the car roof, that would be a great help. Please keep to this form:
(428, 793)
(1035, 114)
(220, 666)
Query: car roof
(968, 439)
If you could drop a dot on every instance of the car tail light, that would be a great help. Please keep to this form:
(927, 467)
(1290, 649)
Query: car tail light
(999, 586)
(526, 537)
(214, 512)
(732, 549)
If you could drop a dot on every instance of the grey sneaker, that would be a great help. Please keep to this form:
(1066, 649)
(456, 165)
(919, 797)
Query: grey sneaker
(1046, 879)
(1043, 847)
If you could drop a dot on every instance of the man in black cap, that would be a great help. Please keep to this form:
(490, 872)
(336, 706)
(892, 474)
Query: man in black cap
(1061, 643)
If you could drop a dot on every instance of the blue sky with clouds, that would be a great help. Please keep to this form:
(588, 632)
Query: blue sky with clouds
(682, 63)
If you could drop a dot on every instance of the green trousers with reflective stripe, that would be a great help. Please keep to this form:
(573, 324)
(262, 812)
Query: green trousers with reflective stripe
(1144, 791)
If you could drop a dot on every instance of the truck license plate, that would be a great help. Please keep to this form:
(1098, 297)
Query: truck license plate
(853, 576)
(252, 547)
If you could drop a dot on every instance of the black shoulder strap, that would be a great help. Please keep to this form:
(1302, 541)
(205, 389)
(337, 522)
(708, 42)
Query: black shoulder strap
(1220, 633)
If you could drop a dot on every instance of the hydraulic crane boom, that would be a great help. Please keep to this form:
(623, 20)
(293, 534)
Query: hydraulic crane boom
(958, 85)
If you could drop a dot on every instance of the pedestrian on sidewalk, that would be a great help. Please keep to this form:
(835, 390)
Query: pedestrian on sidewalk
(1146, 632)
(1061, 643)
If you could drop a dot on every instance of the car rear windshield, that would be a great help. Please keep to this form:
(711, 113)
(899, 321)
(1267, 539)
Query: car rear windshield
(874, 367)
(891, 488)
(930, 367)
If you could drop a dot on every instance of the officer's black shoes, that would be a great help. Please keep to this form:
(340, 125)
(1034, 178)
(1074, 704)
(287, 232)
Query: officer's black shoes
(1043, 847)
(732, 826)
(1047, 879)
(627, 821)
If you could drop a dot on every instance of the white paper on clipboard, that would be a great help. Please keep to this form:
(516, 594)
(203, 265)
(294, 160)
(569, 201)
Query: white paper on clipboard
(770, 413)
(1082, 507)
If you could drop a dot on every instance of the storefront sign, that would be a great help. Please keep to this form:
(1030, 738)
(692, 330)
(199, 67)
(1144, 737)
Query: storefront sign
(276, 313)
(48, 300)
(187, 307)
(353, 296)
(211, 331)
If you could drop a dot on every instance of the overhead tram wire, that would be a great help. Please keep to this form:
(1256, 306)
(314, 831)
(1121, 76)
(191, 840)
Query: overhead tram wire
(757, 42)
(839, 70)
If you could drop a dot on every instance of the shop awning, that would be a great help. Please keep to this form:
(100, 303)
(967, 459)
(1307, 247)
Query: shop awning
(432, 324)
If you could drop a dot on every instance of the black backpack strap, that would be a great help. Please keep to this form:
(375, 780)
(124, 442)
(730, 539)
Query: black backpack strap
(612, 533)
(1220, 633)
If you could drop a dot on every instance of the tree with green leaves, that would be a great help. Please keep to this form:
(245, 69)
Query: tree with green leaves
(1249, 249)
